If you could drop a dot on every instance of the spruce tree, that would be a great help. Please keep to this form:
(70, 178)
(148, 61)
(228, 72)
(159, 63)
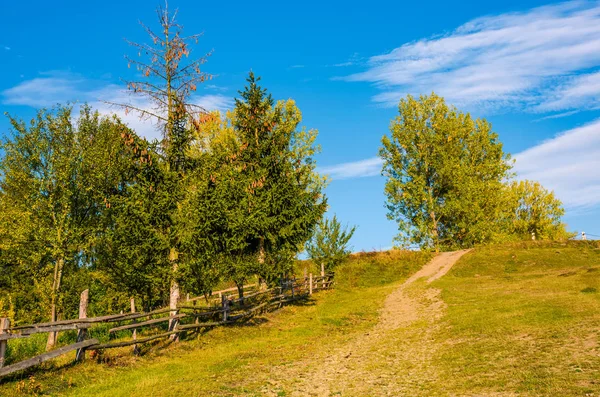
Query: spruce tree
(266, 192)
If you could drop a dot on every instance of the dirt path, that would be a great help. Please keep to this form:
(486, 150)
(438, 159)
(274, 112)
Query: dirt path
(392, 359)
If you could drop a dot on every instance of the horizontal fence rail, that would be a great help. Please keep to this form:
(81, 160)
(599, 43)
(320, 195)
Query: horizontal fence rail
(222, 308)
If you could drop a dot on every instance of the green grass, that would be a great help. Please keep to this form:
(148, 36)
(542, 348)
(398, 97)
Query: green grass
(235, 360)
(522, 318)
(517, 319)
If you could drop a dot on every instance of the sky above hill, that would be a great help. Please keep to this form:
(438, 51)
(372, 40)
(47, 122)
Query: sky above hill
(531, 68)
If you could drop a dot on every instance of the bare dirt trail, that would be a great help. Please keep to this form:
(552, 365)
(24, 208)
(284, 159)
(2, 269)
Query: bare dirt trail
(392, 359)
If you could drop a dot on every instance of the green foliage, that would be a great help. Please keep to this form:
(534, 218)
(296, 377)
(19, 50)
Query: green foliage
(278, 172)
(329, 243)
(535, 210)
(56, 175)
(135, 246)
(446, 181)
(256, 194)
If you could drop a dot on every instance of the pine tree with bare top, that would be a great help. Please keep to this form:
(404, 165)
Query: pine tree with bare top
(169, 78)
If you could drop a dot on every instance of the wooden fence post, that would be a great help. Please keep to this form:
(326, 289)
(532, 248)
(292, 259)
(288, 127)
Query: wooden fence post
(4, 325)
(323, 275)
(310, 284)
(225, 304)
(136, 349)
(84, 299)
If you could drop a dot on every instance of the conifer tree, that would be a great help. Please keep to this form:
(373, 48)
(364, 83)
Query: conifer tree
(266, 195)
(170, 80)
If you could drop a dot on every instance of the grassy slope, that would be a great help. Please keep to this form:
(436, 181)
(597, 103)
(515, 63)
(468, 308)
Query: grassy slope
(236, 360)
(519, 319)
(522, 319)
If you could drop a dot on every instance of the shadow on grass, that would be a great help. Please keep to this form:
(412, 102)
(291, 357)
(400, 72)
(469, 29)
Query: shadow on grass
(124, 355)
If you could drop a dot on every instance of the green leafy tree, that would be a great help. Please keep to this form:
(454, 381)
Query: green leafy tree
(329, 243)
(534, 210)
(445, 174)
(55, 177)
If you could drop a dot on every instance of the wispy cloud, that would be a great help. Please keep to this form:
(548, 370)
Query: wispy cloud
(558, 115)
(343, 64)
(51, 88)
(48, 90)
(567, 164)
(542, 60)
(214, 87)
(297, 66)
(7, 48)
(575, 93)
(356, 169)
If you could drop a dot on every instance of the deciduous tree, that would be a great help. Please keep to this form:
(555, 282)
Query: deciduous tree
(445, 173)
(55, 176)
(534, 210)
(329, 243)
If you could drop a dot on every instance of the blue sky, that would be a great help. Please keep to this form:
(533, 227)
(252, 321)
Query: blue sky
(531, 68)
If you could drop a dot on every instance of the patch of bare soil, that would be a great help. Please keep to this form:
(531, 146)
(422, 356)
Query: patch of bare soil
(390, 360)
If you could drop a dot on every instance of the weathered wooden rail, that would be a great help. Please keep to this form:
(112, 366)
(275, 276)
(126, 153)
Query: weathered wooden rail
(228, 310)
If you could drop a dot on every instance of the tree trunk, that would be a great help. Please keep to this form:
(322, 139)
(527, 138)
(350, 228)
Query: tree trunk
(434, 232)
(261, 250)
(174, 293)
(58, 270)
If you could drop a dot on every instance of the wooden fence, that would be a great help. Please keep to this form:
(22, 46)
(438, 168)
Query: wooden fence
(190, 315)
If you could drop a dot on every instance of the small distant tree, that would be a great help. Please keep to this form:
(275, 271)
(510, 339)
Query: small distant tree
(329, 243)
(533, 209)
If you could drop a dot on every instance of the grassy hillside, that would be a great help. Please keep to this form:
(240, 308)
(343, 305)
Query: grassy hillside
(521, 319)
(237, 360)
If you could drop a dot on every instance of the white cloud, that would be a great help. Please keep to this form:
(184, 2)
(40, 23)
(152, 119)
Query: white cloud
(214, 102)
(567, 164)
(343, 64)
(578, 92)
(7, 48)
(498, 62)
(558, 115)
(56, 87)
(47, 90)
(356, 169)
